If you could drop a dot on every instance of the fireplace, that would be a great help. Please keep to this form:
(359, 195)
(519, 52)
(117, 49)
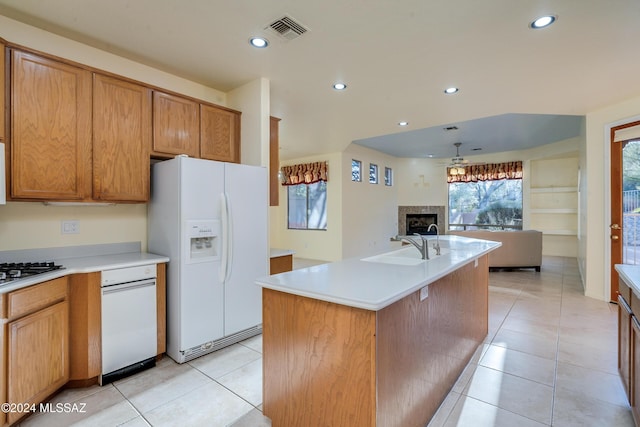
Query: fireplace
(420, 222)
(421, 217)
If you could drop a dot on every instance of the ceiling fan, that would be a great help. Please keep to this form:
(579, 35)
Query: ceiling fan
(457, 160)
(457, 165)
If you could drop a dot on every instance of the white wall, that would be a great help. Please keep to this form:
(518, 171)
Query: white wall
(422, 182)
(594, 245)
(253, 100)
(31, 225)
(369, 211)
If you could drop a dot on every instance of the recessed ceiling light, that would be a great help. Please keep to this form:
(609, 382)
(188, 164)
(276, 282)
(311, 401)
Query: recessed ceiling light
(259, 42)
(451, 90)
(543, 21)
(403, 123)
(339, 86)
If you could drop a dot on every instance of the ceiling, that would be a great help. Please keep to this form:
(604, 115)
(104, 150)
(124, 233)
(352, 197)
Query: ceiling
(396, 56)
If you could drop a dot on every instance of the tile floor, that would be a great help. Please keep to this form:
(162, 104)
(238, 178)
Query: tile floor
(549, 360)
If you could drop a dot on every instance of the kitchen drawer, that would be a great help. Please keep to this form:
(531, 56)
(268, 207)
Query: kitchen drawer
(33, 298)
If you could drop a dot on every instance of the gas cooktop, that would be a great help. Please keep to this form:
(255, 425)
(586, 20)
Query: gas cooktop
(11, 271)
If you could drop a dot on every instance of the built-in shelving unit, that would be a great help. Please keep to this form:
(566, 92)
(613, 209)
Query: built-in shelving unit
(553, 199)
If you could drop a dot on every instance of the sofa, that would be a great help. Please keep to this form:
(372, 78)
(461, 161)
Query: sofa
(520, 248)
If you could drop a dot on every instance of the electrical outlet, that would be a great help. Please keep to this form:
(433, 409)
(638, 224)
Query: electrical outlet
(424, 293)
(70, 226)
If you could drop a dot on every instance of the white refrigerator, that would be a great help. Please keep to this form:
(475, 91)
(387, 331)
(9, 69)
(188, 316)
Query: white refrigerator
(210, 219)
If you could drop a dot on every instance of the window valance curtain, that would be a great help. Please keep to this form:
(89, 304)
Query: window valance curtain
(307, 173)
(488, 172)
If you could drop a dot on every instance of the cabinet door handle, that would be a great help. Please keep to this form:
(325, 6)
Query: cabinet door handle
(614, 237)
(615, 227)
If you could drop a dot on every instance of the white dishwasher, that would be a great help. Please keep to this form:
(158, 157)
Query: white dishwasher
(129, 322)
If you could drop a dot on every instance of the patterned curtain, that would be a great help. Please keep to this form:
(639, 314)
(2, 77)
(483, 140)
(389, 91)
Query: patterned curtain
(488, 172)
(307, 173)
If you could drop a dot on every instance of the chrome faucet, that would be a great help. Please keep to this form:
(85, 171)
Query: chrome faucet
(436, 245)
(423, 247)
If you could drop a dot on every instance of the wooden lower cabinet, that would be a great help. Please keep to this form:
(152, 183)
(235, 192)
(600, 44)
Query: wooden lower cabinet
(36, 344)
(629, 345)
(85, 352)
(326, 364)
(624, 343)
(34, 375)
(280, 264)
(635, 369)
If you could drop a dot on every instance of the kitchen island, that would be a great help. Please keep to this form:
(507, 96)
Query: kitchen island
(377, 341)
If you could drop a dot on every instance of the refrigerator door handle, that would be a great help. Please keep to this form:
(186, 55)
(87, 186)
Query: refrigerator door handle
(222, 272)
(227, 238)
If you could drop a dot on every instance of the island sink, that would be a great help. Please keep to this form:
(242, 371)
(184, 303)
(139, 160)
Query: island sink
(405, 256)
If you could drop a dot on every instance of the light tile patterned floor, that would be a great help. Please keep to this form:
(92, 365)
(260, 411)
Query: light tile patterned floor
(549, 359)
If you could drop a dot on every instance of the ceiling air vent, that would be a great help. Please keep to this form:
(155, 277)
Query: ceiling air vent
(287, 28)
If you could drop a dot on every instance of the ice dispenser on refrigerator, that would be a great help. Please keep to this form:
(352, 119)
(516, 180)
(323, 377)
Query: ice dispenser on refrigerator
(203, 241)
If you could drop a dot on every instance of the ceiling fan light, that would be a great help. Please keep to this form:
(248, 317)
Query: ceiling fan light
(456, 171)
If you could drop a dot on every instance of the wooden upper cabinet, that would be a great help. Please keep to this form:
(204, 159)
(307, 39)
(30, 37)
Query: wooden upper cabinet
(274, 161)
(176, 125)
(219, 134)
(50, 129)
(121, 140)
(3, 97)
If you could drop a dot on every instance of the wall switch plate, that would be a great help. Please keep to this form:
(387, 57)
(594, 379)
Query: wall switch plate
(424, 293)
(70, 226)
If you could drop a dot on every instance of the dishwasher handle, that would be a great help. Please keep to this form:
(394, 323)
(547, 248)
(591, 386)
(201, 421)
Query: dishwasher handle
(123, 287)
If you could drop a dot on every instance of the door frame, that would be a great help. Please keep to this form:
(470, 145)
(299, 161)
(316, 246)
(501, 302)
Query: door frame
(608, 273)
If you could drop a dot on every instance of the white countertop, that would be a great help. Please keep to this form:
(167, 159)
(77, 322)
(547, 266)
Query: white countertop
(88, 264)
(631, 275)
(275, 252)
(375, 285)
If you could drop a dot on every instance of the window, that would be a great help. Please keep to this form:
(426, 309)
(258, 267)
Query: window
(388, 177)
(485, 204)
(373, 173)
(307, 204)
(487, 197)
(356, 170)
